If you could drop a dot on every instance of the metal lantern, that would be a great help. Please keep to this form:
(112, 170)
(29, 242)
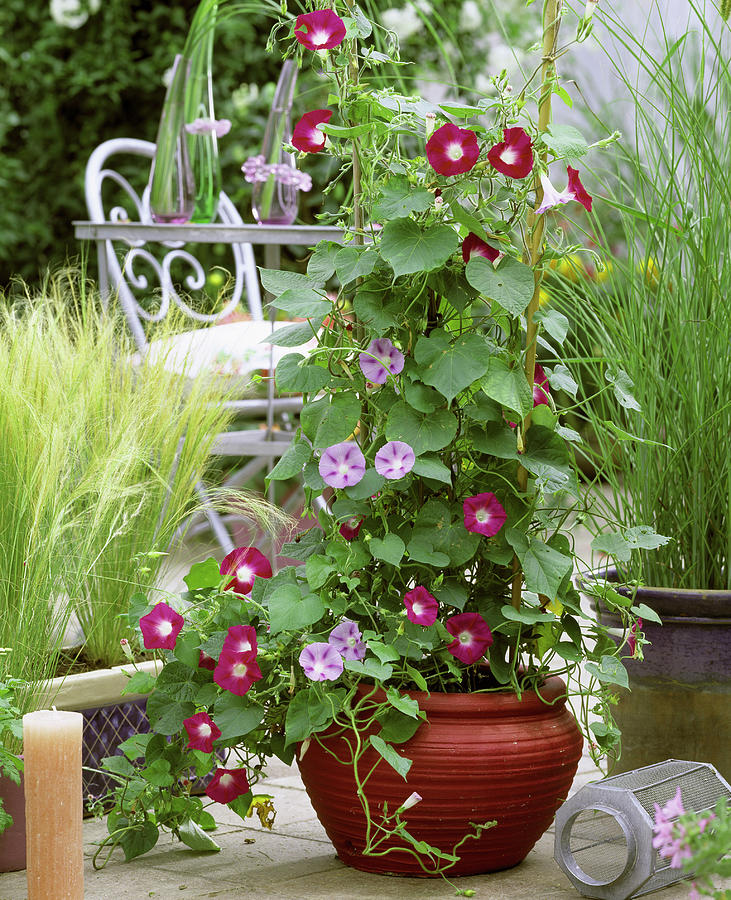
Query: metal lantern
(604, 832)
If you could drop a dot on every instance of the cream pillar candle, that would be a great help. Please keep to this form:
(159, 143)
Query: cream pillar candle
(53, 804)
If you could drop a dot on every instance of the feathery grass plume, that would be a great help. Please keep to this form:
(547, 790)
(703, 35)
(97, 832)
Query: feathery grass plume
(98, 464)
(725, 9)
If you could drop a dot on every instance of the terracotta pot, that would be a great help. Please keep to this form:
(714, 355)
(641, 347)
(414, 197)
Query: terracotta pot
(478, 757)
(12, 840)
(679, 702)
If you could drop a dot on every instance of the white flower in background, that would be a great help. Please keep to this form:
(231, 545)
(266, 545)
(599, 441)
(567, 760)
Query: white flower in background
(470, 18)
(72, 13)
(403, 22)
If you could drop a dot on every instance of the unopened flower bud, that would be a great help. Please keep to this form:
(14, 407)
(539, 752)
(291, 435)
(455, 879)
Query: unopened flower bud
(410, 801)
(438, 203)
(591, 5)
(431, 121)
(126, 649)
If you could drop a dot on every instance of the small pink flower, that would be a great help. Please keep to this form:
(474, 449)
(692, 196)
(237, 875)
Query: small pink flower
(484, 514)
(475, 246)
(632, 639)
(452, 150)
(241, 639)
(574, 191)
(342, 465)
(236, 672)
(321, 662)
(472, 637)
(351, 528)
(228, 784)
(541, 392)
(202, 731)
(380, 359)
(320, 30)
(421, 607)
(161, 627)
(307, 137)
(219, 127)
(513, 156)
(205, 661)
(244, 564)
(410, 801)
(394, 460)
(347, 640)
(577, 188)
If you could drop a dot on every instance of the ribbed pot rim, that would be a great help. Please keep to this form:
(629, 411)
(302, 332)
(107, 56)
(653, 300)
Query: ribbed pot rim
(674, 602)
(494, 703)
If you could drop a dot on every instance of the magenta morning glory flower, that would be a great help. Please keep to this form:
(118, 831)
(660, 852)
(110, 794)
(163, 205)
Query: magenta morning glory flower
(245, 563)
(241, 639)
(320, 30)
(307, 137)
(632, 639)
(475, 246)
(342, 465)
(472, 637)
(574, 191)
(205, 661)
(351, 528)
(219, 127)
(202, 731)
(421, 607)
(321, 662)
(483, 514)
(228, 784)
(380, 358)
(452, 150)
(540, 387)
(161, 627)
(394, 460)
(347, 640)
(236, 672)
(513, 156)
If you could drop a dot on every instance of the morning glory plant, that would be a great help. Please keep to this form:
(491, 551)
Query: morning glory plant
(431, 445)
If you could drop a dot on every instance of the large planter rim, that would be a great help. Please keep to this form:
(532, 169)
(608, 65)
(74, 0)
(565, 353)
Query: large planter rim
(495, 703)
(697, 606)
(99, 687)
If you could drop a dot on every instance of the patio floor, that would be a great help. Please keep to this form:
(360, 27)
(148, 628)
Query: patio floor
(295, 861)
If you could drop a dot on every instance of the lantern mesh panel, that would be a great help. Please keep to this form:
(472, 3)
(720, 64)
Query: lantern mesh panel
(598, 845)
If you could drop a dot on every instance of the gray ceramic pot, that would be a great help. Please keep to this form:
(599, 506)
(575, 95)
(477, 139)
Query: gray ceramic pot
(679, 705)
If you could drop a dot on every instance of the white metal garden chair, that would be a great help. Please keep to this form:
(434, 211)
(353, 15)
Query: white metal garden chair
(141, 277)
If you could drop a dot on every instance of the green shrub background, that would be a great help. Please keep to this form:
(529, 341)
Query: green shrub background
(63, 91)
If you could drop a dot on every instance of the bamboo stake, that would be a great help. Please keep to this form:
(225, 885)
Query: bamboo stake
(536, 224)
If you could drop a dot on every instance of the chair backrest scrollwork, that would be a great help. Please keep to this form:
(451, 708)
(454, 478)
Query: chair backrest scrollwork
(148, 278)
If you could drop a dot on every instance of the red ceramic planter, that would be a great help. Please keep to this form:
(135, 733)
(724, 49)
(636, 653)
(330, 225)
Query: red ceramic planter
(478, 757)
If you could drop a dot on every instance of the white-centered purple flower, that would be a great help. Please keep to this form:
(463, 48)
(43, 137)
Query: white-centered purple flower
(342, 465)
(219, 127)
(321, 662)
(394, 460)
(380, 358)
(347, 639)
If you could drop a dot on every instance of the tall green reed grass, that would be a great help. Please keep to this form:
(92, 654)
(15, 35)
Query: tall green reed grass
(98, 465)
(662, 316)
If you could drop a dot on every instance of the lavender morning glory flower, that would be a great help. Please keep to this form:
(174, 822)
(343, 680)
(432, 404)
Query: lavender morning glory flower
(380, 359)
(394, 460)
(347, 640)
(321, 662)
(342, 465)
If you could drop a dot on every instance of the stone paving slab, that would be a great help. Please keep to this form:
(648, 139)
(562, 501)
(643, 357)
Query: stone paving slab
(295, 861)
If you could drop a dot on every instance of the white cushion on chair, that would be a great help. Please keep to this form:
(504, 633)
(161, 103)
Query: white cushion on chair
(234, 350)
